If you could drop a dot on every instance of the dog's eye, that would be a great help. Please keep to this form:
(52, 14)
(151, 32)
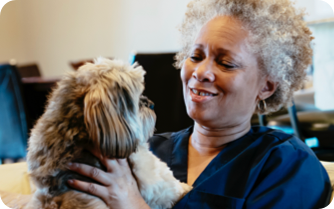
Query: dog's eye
(151, 106)
(145, 101)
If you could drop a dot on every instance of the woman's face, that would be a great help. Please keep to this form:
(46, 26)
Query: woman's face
(221, 79)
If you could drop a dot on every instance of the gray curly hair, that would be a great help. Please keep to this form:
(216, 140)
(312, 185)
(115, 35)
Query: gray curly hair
(277, 35)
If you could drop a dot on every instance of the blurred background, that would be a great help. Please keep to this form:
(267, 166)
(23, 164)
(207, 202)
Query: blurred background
(43, 39)
(53, 32)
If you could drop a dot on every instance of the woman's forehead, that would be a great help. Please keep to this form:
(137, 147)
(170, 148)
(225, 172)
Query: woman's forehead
(224, 35)
(223, 30)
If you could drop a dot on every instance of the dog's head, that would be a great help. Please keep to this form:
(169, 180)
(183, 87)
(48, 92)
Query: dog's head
(116, 116)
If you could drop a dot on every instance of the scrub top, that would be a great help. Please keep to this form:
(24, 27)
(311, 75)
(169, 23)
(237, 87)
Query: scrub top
(265, 168)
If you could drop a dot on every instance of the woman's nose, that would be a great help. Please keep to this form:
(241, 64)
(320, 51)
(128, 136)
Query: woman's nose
(203, 72)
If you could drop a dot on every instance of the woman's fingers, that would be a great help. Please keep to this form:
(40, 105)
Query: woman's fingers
(92, 172)
(90, 188)
(119, 188)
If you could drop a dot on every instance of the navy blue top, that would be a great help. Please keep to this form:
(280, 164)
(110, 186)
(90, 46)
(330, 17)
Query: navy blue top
(265, 168)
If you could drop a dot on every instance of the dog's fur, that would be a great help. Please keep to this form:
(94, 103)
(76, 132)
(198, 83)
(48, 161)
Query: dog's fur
(100, 106)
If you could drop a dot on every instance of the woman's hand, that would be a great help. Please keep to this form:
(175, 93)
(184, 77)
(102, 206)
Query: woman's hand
(119, 189)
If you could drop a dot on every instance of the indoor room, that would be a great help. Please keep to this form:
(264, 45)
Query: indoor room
(233, 99)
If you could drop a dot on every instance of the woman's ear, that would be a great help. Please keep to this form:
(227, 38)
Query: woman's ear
(267, 89)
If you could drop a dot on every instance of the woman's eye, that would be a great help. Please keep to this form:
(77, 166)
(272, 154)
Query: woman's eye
(227, 64)
(195, 58)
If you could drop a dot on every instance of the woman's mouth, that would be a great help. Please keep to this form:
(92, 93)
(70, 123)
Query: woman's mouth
(199, 96)
(201, 93)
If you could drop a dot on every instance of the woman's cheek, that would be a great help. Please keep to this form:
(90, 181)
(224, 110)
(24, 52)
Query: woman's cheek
(185, 71)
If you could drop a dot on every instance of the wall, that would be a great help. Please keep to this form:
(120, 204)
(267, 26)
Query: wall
(54, 32)
(10, 34)
(323, 61)
(315, 9)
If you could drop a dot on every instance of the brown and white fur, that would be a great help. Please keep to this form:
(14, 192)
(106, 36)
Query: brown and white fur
(100, 106)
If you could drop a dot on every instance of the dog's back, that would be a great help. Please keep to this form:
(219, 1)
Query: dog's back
(69, 200)
(58, 195)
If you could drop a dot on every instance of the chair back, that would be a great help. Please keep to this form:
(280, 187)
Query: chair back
(164, 87)
(76, 64)
(13, 119)
(30, 70)
(294, 121)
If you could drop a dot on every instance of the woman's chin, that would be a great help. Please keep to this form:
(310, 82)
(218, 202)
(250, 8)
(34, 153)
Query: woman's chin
(195, 115)
(201, 119)
(202, 114)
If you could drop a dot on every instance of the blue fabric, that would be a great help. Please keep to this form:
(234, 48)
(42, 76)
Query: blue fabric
(266, 168)
(13, 121)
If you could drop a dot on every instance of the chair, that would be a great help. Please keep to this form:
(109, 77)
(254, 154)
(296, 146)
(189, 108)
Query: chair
(29, 70)
(262, 120)
(164, 87)
(13, 120)
(316, 128)
(78, 63)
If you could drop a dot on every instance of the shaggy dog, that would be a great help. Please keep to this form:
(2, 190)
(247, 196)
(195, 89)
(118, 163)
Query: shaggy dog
(101, 106)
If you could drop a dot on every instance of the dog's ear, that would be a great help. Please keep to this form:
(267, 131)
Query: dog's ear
(110, 118)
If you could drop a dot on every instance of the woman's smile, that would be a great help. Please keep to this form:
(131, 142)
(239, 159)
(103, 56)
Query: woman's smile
(201, 95)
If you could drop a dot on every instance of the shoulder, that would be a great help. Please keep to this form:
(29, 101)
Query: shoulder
(289, 156)
(287, 164)
(162, 144)
(275, 140)
(264, 148)
(159, 139)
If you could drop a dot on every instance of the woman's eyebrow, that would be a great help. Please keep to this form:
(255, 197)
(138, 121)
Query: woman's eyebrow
(226, 51)
(197, 46)
(220, 50)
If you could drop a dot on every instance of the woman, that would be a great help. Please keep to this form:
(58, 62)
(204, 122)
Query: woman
(237, 57)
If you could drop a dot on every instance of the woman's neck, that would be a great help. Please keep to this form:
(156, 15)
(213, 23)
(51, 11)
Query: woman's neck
(212, 140)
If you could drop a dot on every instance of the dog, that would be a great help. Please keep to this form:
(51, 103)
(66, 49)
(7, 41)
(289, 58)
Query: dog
(100, 105)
